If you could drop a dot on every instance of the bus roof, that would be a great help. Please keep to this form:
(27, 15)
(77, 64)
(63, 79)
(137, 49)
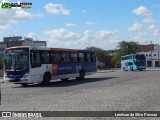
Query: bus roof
(54, 49)
(131, 54)
(18, 47)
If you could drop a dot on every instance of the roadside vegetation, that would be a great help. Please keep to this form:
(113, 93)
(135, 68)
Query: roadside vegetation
(114, 60)
(124, 48)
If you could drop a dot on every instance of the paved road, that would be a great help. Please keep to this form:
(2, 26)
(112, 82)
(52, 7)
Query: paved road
(112, 91)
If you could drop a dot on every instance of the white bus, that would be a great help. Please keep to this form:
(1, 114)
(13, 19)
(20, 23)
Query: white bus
(33, 65)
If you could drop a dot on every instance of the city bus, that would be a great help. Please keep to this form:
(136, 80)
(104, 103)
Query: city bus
(133, 62)
(34, 65)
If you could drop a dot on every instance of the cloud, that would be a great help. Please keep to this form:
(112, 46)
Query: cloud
(56, 9)
(62, 38)
(71, 25)
(84, 11)
(62, 35)
(102, 38)
(143, 35)
(155, 29)
(5, 1)
(149, 20)
(8, 17)
(104, 34)
(31, 35)
(143, 11)
(38, 15)
(91, 23)
(152, 27)
(21, 15)
(135, 27)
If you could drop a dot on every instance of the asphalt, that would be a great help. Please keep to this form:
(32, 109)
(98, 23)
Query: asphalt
(110, 70)
(1, 79)
(112, 91)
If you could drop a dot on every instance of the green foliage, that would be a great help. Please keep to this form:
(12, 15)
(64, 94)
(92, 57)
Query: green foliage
(94, 48)
(127, 47)
(124, 48)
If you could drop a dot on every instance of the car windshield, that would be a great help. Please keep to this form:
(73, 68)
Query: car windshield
(16, 61)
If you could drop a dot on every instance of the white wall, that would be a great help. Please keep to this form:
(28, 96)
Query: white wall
(152, 56)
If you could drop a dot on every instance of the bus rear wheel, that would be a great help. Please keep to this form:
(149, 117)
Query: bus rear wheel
(46, 79)
(81, 76)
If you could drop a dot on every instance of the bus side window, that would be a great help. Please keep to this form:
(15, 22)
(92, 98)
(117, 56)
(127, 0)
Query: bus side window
(74, 57)
(35, 59)
(81, 57)
(78, 60)
(88, 57)
(56, 57)
(65, 57)
(61, 60)
(45, 57)
(93, 58)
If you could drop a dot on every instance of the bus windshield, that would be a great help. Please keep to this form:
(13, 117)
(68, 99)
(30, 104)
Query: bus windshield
(16, 61)
(140, 57)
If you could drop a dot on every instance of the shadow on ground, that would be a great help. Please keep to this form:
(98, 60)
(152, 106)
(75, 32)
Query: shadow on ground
(71, 82)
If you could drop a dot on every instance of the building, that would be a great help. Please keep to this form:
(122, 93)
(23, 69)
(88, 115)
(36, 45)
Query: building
(145, 48)
(152, 56)
(18, 41)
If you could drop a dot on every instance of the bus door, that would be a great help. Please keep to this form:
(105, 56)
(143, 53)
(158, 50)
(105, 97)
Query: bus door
(35, 71)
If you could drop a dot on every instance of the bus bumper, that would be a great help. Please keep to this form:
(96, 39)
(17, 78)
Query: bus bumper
(141, 68)
(17, 81)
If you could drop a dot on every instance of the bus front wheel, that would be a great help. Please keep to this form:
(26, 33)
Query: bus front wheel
(81, 76)
(46, 79)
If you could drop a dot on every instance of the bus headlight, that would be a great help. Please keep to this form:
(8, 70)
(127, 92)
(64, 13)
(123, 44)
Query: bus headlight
(25, 75)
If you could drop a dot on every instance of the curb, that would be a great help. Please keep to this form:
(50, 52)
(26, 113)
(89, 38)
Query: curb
(106, 71)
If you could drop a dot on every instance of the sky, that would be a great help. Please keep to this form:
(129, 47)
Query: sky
(84, 23)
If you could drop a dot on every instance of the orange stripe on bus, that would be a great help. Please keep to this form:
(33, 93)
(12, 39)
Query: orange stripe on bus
(54, 68)
(63, 49)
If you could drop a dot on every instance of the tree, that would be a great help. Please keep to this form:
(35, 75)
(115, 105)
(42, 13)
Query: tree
(124, 48)
(94, 48)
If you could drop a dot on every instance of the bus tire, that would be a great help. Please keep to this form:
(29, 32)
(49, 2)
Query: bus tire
(46, 79)
(65, 79)
(81, 76)
(24, 84)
